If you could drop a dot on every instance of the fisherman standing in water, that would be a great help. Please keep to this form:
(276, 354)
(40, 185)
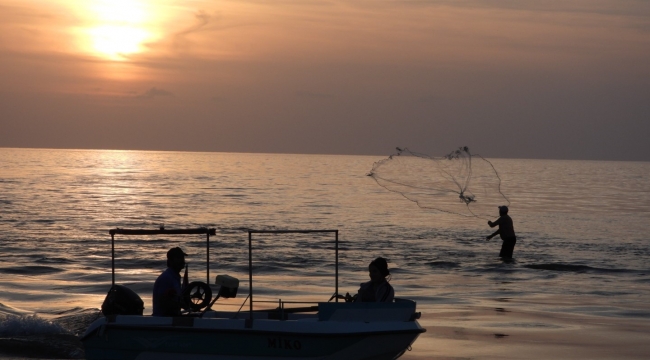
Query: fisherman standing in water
(506, 231)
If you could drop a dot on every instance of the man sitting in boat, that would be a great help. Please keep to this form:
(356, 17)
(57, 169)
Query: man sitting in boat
(167, 288)
(377, 289)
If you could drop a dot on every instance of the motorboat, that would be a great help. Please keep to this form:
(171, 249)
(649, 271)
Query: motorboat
(328, 330)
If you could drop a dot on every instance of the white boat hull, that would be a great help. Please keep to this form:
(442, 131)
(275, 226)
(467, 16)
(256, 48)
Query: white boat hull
(132, 337)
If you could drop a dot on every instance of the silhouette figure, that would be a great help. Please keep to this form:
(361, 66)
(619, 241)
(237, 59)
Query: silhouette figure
(506, 231)
(167, 288)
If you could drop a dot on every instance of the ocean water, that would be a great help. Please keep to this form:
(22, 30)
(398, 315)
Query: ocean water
(581, 260)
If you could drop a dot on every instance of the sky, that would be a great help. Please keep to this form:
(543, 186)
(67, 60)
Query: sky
(551, 79)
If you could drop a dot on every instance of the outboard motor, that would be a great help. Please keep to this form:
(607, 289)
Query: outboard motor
(121, 300)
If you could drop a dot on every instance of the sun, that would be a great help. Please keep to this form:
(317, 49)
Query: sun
(117, 42)
(119, 28)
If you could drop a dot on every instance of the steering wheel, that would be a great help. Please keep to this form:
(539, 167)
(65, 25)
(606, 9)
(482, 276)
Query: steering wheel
(196, 296)
(347, 297)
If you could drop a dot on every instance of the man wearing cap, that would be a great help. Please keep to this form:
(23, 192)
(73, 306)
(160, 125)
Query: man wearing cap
(506, 231)
(167, 288)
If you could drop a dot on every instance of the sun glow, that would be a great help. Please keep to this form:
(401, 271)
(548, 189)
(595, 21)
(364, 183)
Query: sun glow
(120, 28)
(117, 42)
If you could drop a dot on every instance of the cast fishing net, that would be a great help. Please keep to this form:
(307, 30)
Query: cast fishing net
(459, 183)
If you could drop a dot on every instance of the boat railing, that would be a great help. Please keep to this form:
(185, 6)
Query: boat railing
(281, 312)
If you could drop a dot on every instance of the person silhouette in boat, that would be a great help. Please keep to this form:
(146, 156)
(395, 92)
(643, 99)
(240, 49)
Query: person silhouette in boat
(506, 231)
(377, 289)
(167, 288)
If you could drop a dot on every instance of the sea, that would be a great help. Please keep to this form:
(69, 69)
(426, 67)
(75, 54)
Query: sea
(578, 286)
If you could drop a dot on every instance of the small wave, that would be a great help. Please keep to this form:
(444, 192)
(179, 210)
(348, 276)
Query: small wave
(135, 243)
(77, 320)
(74, 310)
(634, 314)
(499, 267)
(574, 268)
(142, 264)
(443, 264)
(54, 260)
(10, 310)
(560, 267)
(30, 270)
(45, 221)
(645, 280)
(25, 325)
(272, 268)
(529, 325)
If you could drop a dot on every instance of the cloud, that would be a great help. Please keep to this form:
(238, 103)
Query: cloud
(201, 21)
(635, 8)
(154, 92)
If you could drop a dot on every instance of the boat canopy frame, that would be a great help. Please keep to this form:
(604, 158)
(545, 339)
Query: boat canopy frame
(212, 231)
(162, 231)
(250, 257)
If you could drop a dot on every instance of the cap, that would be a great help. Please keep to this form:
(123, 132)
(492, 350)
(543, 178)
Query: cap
(175, 252)
(503, 208)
